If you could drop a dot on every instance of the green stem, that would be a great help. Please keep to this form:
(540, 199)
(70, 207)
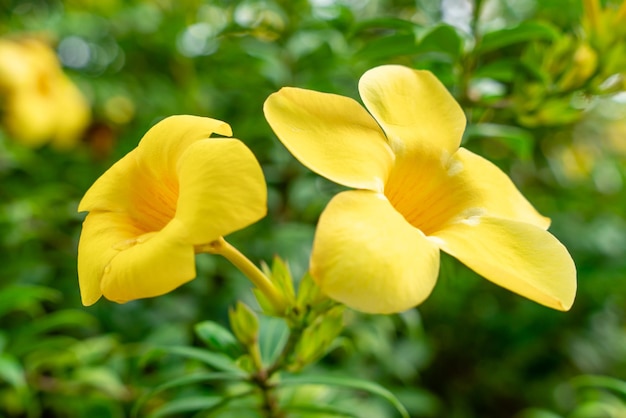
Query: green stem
(247, 267)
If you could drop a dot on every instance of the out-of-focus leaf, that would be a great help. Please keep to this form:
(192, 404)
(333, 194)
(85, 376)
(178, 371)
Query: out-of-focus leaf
(325, 411)
(182, 381)
(216, 360)
(524, 32)
(272, 338)
(347, 382)
(389, 46)
(517, 139)
(218, 338)
(103, 379)
(501, 70)
(190, 404)
(25, 298)
(384, 23)
(537, 413)
(11, 371)
(441, 39)
(600, 382)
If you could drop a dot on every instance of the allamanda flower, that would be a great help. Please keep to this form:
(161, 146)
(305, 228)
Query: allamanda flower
(176, 194)
(40, 103)
(376, 248)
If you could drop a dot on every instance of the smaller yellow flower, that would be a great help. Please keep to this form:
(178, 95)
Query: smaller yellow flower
(376, 249)
(40, 103)
(178, 191)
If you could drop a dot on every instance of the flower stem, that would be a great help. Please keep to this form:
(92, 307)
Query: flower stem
(247, 267)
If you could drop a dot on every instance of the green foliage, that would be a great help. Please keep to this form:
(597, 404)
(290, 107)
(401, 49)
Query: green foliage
(542, 86)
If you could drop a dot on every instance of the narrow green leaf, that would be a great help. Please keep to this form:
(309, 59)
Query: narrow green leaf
(190, 404)
(601, 382)
(25, 298)
(11, 371)
(215, 360)
(517, 139)
(441, 39)
(272, 338)
(524, 32)
(183, 381)
(349, 383)
(327, 410)
(384, 23)
(218, 338)
(389, 46)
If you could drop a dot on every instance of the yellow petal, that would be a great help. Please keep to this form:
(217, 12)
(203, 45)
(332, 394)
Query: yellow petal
(368, 257)
(117, 259)
(491, 191)
(332, 135)
(144, 183)
(222, 189)
(418, 114)
(102, 236)
(517, 256)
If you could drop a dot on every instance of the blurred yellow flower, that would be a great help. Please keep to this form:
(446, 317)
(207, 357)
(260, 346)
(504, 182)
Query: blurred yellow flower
(40, 104)
(376, 249)
(149, 213)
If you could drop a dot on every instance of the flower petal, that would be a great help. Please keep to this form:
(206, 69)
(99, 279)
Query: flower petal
(222, 189)
(416, 111)
(517, 256)
(144, 183)
(332, 135)
(150, 265)
(488, 189)
(368, 257)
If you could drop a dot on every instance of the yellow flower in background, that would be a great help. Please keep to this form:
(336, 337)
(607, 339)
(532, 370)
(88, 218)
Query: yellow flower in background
(376, 249)
(39, 103)
(148, 214)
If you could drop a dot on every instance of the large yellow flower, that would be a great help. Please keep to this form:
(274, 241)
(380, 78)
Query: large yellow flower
(149, 213)
(376, 249)
(40, 103)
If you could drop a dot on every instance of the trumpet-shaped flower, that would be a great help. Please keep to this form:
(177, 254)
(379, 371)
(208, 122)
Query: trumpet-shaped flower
(376, 248)
(40, 103)
(180, 189)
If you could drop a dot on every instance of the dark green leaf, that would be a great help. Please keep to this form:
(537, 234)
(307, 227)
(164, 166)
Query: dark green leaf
(183, 381)
(524, 32)
(190, 404)
(25, 298)
(216, 360)
(218, 338)
(349, 383)
(441, 39)
(517, 139)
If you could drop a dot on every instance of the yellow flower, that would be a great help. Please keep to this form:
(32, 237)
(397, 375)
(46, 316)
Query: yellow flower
(40, 103)
(376, 249)
(149, 213)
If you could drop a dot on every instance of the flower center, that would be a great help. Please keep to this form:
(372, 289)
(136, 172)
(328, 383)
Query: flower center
(427, 193)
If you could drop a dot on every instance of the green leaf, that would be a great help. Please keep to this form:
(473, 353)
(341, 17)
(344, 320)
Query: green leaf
(524, 32)
(25, 298)
(601, 382)
(384, 23)
(326, 410)
(388, 46)
(349, 383)
(517, 139)
(272, 338)
(441, 39)
(182, 381)
(215, 360)
(191, 404)
(11, 371)
(218, 338)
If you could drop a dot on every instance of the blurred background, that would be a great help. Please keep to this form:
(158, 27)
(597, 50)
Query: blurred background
(542, 84)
